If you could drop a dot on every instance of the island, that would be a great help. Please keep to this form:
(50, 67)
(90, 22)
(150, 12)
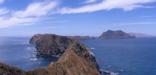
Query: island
(119, 34)
(74, 57)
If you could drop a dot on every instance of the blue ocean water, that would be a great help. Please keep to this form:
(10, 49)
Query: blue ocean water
(18, 52)
(124, 56)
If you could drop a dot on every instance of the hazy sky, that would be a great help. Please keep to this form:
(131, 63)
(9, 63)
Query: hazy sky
(76, 17)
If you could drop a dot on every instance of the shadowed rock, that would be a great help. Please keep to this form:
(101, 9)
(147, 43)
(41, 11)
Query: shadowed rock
(8, 70)
(50, 44)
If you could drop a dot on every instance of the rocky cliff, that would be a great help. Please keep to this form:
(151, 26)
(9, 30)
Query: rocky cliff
(115, 35)
(75, 59)
(50, 44)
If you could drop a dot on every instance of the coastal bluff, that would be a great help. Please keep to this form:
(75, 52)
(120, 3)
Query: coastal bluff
(50, 44)
(74, 57)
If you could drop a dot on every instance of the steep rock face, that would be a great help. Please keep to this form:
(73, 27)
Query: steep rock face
(75, 61)
(50, 44)
(78, 61)
(115, 35)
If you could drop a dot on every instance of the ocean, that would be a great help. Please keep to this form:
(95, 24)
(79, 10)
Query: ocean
(18, 52)
(126, 56)
(122, 56)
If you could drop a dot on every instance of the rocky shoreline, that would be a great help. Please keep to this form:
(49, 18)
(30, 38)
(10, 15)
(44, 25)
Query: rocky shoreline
(74, 57)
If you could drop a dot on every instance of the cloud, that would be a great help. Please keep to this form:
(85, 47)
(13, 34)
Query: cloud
(1, 1)
(3, 11)
(13, 21)
(31, 14)
(107, 5)
(35, 12)
(36, 9)
(90, 1)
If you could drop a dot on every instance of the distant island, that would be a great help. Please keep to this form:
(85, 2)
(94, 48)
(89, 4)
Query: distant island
(119, 34)
(109, 34)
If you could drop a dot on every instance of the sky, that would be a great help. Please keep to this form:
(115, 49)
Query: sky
(76, 17)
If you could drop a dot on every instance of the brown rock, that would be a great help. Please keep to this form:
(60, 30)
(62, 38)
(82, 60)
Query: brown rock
(50, 44)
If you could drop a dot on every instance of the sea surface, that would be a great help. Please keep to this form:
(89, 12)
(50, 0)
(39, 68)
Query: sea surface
(18, 52)
(124, 56)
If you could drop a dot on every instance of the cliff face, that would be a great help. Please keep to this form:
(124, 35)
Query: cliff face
(78, 61)
(50, 44)
(115, 35)
(75, 60)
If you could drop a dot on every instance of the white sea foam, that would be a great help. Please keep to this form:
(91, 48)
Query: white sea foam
(33, 59)
(92, 48)
(108, 72)
(113, 73)
(90, 52)
(29, 48)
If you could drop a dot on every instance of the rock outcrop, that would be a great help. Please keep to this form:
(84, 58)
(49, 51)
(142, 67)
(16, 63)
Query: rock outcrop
(115, 35)
(75, 59)
(8, 70)
(50, 44)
